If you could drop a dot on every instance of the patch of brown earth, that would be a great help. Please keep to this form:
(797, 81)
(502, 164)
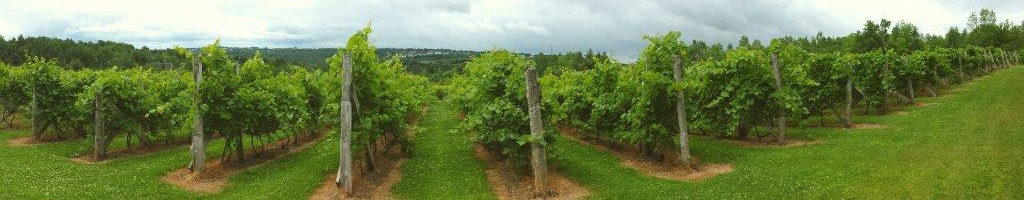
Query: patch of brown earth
(89, 157)
(20, 142)
(374, 184)
(696, 171)
(506, 183)
(918, 103)
(771, 143)
(215, 174)
(900, 113)
(871, 126)
(858, 126)
(29, 141)
(366, 184)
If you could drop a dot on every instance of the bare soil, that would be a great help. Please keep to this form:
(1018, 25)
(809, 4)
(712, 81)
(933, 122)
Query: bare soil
(859, 125)
(506, 183)
(214, 176)
(696, 171)
(772, 143)
(366, 184)
(89, 157)
(374, 184)
(28, 141)
(918, 103)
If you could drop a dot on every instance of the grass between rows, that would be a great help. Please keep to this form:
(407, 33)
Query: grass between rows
(966, 144)
(444, 166)
(45, 171)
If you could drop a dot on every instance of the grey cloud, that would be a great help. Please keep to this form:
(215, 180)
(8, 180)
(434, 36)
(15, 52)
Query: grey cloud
(526, 26)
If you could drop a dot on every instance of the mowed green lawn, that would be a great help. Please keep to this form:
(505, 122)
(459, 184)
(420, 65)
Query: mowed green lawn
(968, 144)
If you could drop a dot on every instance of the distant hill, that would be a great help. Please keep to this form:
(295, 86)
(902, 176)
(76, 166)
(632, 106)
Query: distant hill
(433, 63)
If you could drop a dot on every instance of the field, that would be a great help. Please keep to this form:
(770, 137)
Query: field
(965, 144)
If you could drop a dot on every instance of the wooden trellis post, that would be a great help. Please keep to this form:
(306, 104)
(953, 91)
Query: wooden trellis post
(849, 98)
(959, 67)
(99, 128)
(778, 85)
(198, 149)
(991, 58)
(344, 178)
(684, 148)
(1005, 60)
(37, 126)
(538, 157)
(885, 91)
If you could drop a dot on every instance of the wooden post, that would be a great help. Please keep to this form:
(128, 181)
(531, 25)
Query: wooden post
(684, 149)
(910, 89)
(199, 138)
(959, 67)
(885, 91)
(37, 121)
(778, 85)
(539, 160)
(99, 133)
(992, 59)
(1005, 60)
(344, 178)
(849, 98)
(931, 87)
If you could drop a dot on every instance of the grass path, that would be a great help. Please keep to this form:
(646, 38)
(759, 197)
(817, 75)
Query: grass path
(966, 145)
(45, 171)
(444, 166)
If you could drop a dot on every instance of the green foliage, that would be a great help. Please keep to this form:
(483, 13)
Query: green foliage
(739, 91)
(56, 92)
(387, 95)
(15, 87)
(491, 92)
(139, 102)
(830, 71)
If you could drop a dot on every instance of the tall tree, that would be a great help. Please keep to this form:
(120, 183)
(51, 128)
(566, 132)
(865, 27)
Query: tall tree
(905, 38)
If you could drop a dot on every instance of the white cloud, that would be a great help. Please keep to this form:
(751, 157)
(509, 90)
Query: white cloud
(522, 25)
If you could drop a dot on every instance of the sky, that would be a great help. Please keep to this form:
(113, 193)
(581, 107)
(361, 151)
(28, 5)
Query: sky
(529, 26)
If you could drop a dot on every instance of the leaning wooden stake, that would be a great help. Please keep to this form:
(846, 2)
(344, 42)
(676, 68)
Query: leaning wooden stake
(344, 178)
(1006, 62)
(539, 160)
(99, 128)
(198, 149)
(778, 85)
(849, 99)
(684, 149)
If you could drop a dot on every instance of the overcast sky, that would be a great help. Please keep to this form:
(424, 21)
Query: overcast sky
(614, 26)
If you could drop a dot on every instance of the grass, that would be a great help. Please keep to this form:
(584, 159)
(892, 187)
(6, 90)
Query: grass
(444, 166)
(45, 171)
(968, 144)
